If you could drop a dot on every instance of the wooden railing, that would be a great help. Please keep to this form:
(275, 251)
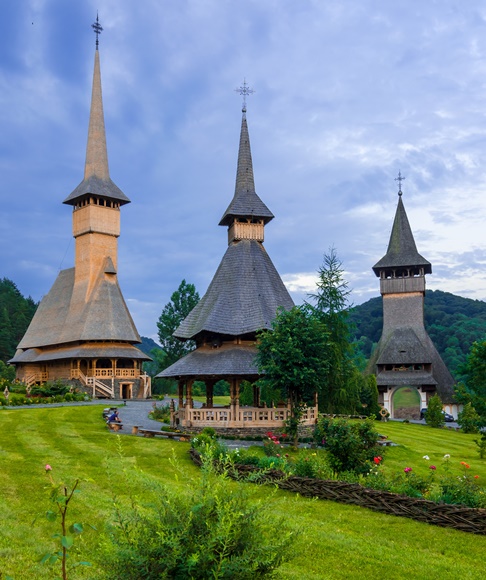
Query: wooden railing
(242, 416)
(103, 389)
(107, 373)
(40, 377)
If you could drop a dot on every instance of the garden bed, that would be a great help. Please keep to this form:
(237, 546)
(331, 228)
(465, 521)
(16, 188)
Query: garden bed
(465, 519)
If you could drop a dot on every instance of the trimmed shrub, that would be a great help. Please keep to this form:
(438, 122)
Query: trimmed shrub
(208, 529)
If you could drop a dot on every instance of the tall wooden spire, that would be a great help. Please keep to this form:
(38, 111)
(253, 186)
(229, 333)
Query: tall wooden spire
(245, 204)
(96, 152)
(96, 173)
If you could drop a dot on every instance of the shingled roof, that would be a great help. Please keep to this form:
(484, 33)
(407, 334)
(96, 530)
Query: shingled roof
(80, 351)
(245, 202)
(406, 345)
(227, 360)
(96, 173)
(402, 251)
(66, 314)
(243, 296)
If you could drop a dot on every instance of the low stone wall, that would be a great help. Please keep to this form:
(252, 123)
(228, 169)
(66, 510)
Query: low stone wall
(241, 432)
(465, 519)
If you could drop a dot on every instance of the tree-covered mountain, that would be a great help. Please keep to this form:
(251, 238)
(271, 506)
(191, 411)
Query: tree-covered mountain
(16, 312)
(148, 344)
(453, 324)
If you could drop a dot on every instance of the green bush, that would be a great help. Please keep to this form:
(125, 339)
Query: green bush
(469, 420)
(434, 416)
(207, 529)
(209, 431)
(160, 413)
(306, 465)
(273, 463)
(17, 399)
(349, 446)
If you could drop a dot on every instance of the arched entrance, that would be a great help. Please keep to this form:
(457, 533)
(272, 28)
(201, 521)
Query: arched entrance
(405, 403)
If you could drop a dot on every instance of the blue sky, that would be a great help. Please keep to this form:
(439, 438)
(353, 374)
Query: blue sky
(347, 93)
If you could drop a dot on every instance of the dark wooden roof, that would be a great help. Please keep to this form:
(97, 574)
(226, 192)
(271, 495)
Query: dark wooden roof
(99, 187)
(402, 251)
(411, 345)
(245, 203)
(405, 378)
(403, 346)
(225, 361)
(87, 350)
(66, 314)
(243, 296)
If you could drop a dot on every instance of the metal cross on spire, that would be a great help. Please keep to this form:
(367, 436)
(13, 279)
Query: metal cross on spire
(400, 179)
(97, 29)
(244, 90)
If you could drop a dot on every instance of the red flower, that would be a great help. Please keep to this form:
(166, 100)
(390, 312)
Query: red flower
(377, 460)
(407, 469)
(476, 477)
(432, 467)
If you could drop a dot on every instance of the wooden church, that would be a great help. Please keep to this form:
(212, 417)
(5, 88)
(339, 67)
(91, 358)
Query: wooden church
(405, 355)
(242, 299)
(82, 331)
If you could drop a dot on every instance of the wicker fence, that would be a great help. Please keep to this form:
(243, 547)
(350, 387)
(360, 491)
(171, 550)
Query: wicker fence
(461, 518)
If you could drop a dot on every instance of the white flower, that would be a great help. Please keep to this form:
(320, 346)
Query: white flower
(426, 457)
(446, 456)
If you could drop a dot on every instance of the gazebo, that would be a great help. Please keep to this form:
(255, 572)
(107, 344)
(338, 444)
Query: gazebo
(242, 299)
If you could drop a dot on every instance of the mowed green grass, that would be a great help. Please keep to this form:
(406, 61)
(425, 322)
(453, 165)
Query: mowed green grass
(334, 541)
(406, 397)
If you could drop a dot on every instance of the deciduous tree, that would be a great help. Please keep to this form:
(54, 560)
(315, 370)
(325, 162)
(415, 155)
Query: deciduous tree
(293, 358)
(182, 301)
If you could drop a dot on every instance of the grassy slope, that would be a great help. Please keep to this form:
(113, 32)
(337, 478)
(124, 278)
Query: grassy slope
(336, 541)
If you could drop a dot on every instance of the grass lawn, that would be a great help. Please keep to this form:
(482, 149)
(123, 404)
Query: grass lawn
(415, 440)
(335, 541)
(217, 400)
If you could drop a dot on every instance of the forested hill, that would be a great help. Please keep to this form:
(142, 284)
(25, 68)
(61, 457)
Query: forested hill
(453, 323)
(16, 312)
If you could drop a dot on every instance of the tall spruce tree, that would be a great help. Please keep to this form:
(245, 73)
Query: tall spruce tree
(340, 393)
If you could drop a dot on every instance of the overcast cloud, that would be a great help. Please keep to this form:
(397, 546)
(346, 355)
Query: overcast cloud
(347, 93)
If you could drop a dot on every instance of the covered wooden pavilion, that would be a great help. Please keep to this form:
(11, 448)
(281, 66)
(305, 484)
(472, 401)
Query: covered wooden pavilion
(242, 299)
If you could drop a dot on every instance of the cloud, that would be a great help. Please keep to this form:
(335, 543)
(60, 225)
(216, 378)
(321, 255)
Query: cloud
(347, 94)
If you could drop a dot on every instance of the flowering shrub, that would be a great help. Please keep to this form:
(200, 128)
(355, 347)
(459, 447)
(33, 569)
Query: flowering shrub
(350, 446)
(271, 445)
(439, 485)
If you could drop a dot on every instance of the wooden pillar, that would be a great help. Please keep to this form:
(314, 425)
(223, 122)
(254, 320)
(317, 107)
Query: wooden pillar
(189, 393)
(209, 392)
(180, 392)
(237, 399)
(256, 396)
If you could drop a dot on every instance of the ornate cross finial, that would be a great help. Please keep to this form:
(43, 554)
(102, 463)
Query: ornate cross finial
(245, 91)
(400, 179)
(97, 29)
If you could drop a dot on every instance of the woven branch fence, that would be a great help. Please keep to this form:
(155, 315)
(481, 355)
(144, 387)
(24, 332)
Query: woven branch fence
(465, 519)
